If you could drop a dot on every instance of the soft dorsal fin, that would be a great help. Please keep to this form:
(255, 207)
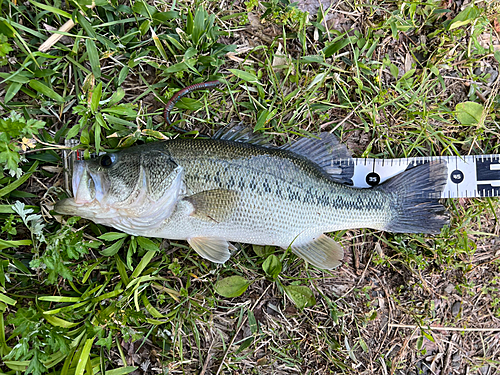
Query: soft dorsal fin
(241, 133)
(326, 151)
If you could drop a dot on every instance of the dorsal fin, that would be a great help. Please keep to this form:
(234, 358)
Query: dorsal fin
(241, 133)
(326, 151)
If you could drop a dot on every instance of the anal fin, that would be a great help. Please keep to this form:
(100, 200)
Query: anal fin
(214, 249)
(321, 251)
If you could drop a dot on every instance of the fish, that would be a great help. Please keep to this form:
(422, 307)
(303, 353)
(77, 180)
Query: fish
(237, 188)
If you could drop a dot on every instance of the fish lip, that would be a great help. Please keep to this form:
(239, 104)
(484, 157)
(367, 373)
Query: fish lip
(83, 183)
(67, 206)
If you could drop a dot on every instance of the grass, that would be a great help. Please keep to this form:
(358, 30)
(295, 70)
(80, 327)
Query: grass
(408, 79)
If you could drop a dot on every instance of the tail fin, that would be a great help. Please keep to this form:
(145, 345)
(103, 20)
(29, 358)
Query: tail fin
(416, 206)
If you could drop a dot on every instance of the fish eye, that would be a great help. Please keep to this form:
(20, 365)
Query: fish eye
(107, 160)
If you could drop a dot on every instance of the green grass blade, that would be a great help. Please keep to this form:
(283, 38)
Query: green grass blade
(84, 357)
(13, 186)
(51, 9)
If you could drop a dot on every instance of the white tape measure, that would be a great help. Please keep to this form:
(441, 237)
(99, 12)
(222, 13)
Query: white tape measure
(468, 176)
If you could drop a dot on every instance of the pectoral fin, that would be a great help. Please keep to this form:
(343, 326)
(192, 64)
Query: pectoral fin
(212, 248)
(321, 251)
(214, 205)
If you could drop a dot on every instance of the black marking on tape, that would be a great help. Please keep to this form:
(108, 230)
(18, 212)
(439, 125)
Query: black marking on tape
(457, 176)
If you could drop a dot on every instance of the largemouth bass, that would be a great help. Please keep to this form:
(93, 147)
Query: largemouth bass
(211, 192)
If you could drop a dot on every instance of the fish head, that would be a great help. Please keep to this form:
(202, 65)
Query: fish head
(134, 190)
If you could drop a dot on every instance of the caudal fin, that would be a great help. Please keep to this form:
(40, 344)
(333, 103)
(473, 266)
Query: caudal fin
(416, 205)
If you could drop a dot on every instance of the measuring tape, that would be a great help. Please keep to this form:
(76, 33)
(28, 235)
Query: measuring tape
(468, 176)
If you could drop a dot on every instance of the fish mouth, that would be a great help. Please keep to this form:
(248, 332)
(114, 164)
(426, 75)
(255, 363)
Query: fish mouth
(87, 189)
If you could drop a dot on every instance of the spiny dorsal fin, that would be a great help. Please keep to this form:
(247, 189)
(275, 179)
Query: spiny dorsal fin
(321, 251)
(241, 133)
(214, 249)
(325, 150)
(214, 205)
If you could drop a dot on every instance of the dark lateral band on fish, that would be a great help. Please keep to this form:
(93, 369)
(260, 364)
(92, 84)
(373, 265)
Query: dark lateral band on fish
(179, 94)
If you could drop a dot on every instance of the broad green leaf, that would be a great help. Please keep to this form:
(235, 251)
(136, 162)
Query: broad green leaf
(232, 286)
(147, 244)
(125, 109)
(159, 46)
(143, 263)
(263, 251)
(7, 300)
(245, 76)
(58, 322)
(154, 133)
(428, 336)
(85, 136)
(144, 27)
(245, 344)
(408, 74)
(189, 104)
(163, 17)
(121, 270)
(173, 41)
(198, 25)
(302, 296)
(394, 70)
(337, 46)
(16, 77)
(123, 75)
(469, 113)
(272, 266)
(118, 95)
(466, 16)
(155, 313)
(86, 25)
(420, 342)
(144, 9)
(318, 79)
(179, 67)
(113, 249)
(261, 120)
(11, 91)
(17, 365)
(96, 97)
(73, 131)
(45, 90)
(93, 58)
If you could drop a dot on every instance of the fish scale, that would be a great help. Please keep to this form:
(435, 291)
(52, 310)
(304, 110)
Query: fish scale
(303, 196)
(211, 192)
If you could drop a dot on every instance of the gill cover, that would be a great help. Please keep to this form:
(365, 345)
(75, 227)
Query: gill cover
(132, 191)
(152, 200)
